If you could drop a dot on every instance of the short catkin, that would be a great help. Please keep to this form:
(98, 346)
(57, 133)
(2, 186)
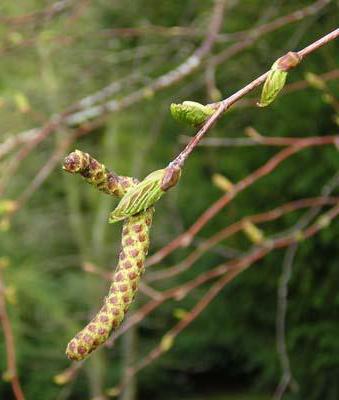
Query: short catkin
(96, 174)
(131, 266)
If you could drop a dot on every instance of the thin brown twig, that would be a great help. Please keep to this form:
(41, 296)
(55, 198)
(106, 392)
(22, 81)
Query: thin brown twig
(287, 377)
(236, 227)
(185, 238)
(52, 162)
(9, 346)
(168, 79)
(229, 274)
(224, 105)
(164, 81)
(174, 31)
(253, 140)
(12, 166)
(179, 292)
(49, 12)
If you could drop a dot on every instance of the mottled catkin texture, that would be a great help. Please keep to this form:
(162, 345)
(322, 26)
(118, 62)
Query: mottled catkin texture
(96, 174)
(131, 266)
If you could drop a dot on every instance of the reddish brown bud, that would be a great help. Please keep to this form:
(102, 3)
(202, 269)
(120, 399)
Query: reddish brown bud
(171, 177)
(288, 61)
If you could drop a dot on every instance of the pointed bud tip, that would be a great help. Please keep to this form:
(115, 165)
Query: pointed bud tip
(171, 177)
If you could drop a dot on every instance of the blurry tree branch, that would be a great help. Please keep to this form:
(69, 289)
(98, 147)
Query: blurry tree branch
(49, 12)
(287, 377)
(228, 272)
(11, 374)
(179, 292)
(186, 68)
(185, 238)
(234, 228)
(84, 115)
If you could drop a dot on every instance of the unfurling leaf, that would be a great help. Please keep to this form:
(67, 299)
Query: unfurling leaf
(276, 77)
(191, 112)
(140, 197)
(275, 81)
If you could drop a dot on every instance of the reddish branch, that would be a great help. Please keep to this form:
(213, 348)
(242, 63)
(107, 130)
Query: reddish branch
(52, 162)
(182, 290)
(185, 238)
(174, 31)
(49, 12)
(236, 227)
(12, 166)
(228, 272)
(166, 80)
(11, 372)
(224, 105)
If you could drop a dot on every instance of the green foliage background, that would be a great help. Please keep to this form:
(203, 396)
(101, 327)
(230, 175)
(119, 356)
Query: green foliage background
(231, 346)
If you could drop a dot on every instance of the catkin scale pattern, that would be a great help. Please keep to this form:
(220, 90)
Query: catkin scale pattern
(131, 263)
(97, 175)
(131, 266)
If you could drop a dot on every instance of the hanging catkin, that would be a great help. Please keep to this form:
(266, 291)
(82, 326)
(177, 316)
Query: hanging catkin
(136, 209)
(131, 265)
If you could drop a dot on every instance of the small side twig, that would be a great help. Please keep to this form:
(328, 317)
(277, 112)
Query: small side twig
(185, 238)
(11, 372)
(229, 273)
(286, 378)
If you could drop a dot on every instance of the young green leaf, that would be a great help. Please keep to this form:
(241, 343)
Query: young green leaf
(191, 112)
(275, 81)
(276, 77)
(140, 197)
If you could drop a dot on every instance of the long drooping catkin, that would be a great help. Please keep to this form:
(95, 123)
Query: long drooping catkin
(136, 208)
(131, 266)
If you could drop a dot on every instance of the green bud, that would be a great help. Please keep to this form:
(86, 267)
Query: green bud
(191, 112)
(276, 77)
(166, 342)
(140, 197)
(275, 81)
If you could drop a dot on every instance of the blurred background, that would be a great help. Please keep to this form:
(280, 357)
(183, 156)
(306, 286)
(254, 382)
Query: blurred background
(96, 75)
